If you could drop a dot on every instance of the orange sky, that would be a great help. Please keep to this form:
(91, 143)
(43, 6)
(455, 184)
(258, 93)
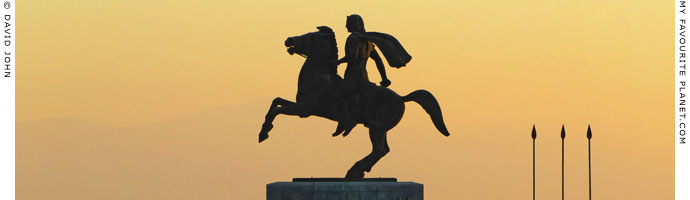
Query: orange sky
(100, 84)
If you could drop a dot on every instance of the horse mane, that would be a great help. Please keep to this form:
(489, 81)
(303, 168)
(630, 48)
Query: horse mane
(331, 39)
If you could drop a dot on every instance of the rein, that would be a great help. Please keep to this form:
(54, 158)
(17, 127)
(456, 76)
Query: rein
(327, 61)
(320, 59)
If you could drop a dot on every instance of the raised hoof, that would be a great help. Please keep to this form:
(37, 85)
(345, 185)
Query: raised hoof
(343, 126)
(263, 135)
(347, 132)
(354, 175)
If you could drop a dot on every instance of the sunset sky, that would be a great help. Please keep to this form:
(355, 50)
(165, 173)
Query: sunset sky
(164, 99)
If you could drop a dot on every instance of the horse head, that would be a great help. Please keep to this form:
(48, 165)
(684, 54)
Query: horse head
(319, 44)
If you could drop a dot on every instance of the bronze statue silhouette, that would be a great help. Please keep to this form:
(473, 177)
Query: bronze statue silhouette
(376, 107)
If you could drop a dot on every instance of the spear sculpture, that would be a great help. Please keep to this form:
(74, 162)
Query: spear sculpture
(563, 162)
(589, 151)
(534, 137)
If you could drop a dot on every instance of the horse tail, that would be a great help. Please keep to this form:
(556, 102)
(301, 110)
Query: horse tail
(428, 102)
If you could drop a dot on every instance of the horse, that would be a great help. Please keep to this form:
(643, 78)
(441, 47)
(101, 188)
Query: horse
(378, 108)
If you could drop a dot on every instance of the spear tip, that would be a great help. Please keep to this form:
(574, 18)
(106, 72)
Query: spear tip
(563, 131)
(589, 132)
(534, 132)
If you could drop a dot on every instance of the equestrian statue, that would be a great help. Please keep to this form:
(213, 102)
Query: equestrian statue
(353, 99)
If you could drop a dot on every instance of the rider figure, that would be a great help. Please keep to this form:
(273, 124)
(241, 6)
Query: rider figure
(357, 51)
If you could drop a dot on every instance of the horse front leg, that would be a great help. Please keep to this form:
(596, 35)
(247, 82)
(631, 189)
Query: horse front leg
(271, 115)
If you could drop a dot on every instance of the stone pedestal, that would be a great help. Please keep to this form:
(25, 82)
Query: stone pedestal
(344, 190)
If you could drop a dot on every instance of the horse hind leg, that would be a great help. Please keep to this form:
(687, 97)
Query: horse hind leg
(386, 149)
(379, 149)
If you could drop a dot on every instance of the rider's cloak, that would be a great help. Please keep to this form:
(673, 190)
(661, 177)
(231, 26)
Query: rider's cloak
(390, 47)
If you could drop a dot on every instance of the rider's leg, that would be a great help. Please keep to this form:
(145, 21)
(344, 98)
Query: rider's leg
(345, 121)
(342, 110)
(361, 93)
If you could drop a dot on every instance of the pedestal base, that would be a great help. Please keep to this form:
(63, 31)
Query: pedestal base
(344, 190)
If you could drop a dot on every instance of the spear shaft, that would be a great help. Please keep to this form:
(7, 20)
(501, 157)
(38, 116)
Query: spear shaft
(563, 162)
(534, 137)
(589, 152)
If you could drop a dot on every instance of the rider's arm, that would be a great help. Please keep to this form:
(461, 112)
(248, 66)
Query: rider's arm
(349, 50)
(342, 60)
(379, 65)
